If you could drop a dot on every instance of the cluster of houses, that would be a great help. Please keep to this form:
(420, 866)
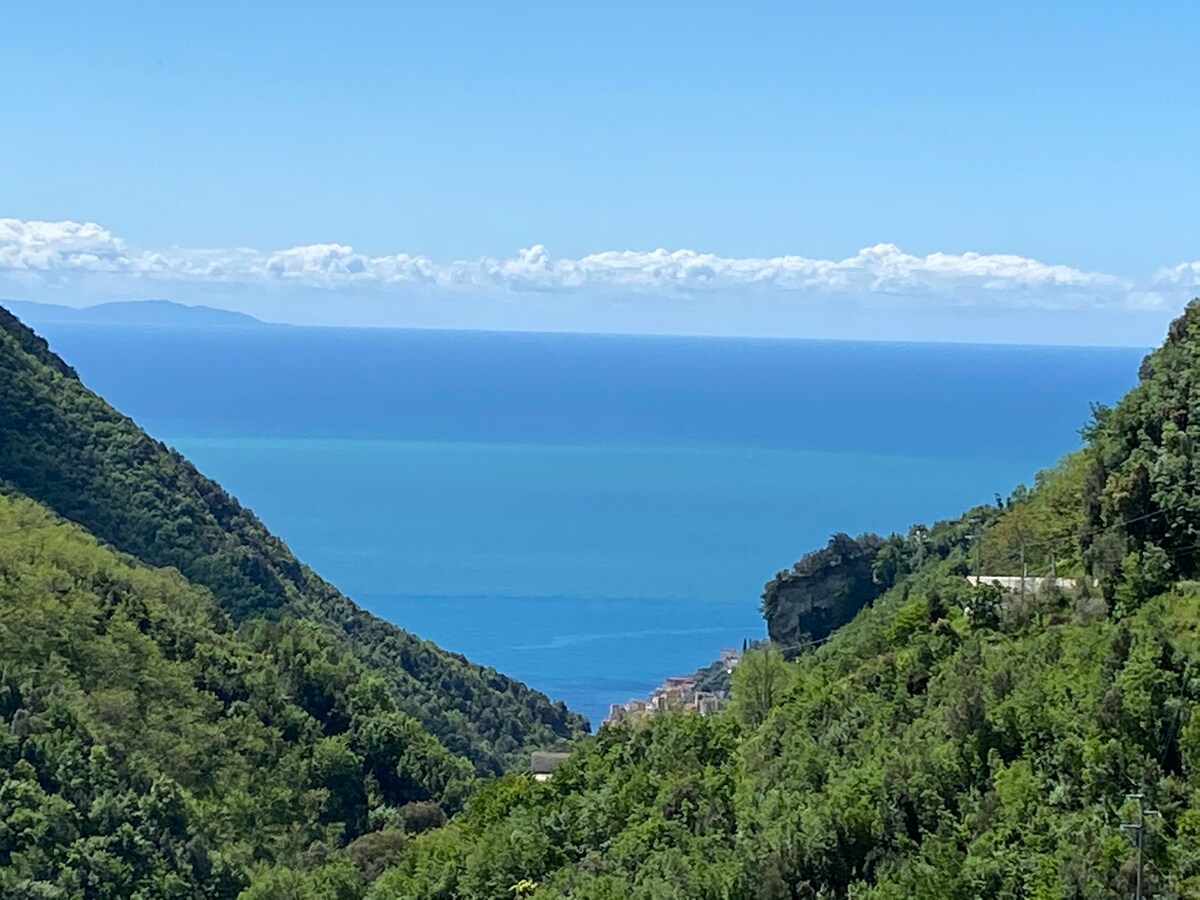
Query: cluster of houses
(677, 692)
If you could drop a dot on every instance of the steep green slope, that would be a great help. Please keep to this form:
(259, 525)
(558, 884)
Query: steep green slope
(148, 751)
(924, 759)
(949, 742)
(64, 446)
(1142, 494)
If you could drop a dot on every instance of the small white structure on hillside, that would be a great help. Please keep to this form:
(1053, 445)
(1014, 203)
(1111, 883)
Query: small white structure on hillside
(1032, 583)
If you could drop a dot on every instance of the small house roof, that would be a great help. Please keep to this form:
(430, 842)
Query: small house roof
(542, 763)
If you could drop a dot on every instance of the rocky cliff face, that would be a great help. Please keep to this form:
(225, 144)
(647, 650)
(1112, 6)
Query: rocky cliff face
(822, 592)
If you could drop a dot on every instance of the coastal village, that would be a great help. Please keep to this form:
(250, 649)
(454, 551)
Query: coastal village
(678, 692)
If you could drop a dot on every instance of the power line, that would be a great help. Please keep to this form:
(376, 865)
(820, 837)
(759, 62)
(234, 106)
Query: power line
(802, 644)
(1050, 543)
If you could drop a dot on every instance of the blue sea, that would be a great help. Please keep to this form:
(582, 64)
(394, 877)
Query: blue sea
(588, 513)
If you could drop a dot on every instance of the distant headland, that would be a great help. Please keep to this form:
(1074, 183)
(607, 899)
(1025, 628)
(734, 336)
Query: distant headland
(131, 312)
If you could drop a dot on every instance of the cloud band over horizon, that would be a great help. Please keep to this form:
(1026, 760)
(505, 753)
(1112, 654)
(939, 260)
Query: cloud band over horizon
(33, 252)
(881, 292)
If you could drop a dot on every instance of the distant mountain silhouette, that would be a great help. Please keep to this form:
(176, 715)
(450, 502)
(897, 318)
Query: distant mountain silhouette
(131, 312)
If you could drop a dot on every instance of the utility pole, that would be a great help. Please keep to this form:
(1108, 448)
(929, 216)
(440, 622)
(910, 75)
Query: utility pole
(976, 535)
(1024, 569)
(1139, 836)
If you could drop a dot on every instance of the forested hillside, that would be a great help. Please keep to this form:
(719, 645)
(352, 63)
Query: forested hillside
(176, 738)
(147, 751)
(949, 742)
(65, 447)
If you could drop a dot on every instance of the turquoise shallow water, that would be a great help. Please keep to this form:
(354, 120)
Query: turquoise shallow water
(591, 572)
(588, 514)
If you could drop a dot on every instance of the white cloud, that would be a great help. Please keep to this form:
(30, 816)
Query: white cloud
(1185, 275)
(55, 246)
(61, 251)
(884, 268)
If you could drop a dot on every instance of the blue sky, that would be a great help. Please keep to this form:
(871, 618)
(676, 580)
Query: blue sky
(1044, 139)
